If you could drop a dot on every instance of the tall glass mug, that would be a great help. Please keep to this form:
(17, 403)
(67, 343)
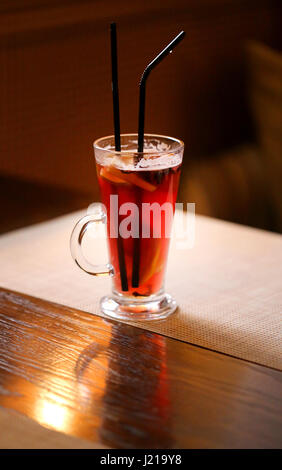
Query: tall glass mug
(138, 193)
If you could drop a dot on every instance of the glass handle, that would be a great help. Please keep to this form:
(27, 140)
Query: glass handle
(76, 238)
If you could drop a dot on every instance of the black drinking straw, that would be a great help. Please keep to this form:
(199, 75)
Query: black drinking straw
(115, 85)
(141, 123)
(167, 50)
(121, 259)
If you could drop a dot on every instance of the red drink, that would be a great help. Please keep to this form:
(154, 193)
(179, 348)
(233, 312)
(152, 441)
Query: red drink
(139, 263)
(138, 192)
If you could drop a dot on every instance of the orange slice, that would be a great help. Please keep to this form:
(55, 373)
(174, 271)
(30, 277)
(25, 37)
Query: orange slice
(154, 267)
(133, 179)
(108, 175)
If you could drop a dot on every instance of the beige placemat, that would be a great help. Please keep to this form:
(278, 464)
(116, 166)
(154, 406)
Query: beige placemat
(228, 287)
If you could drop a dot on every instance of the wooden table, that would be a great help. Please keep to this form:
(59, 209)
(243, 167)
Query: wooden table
(81, 381)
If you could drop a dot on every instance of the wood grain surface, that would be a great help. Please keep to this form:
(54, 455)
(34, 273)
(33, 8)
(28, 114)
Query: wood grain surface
(20, 432)
(121, 386)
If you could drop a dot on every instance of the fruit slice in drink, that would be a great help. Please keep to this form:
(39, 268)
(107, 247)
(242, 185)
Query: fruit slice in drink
(138, 187)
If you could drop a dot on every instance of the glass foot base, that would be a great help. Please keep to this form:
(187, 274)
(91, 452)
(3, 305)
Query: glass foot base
(152, 308)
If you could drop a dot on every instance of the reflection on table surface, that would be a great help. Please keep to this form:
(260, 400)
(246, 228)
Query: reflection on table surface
(122, 386)
(113, 389)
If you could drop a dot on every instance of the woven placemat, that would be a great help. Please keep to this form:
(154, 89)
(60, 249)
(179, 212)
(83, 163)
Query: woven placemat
(228, 287)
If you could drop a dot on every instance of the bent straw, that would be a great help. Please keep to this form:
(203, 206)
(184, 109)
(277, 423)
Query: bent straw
(121, 259)
(141, 124)
(167, 50)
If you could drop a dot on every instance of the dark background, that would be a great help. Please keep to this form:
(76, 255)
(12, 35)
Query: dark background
(219, 92)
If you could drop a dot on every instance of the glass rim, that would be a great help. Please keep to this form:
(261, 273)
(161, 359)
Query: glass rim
(180, 144)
